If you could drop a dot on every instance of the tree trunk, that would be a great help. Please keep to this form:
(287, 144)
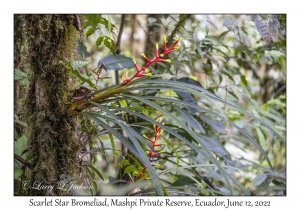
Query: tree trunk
(153, 35)
(52, 146)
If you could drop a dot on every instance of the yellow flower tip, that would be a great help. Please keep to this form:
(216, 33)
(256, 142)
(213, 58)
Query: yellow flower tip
(145, 136)
(135, 173)
(176, 47)
(179, 39)
(123, 78)
(133, 60)
(162, 55)
(165, 38)
(158, 119)
(143, 55)
(163, 123)
(168, 60)
(147, 152)
(165, 143)
(162, 151)
(147, 70)
(157, 165)
(156, 45)
(149, 74)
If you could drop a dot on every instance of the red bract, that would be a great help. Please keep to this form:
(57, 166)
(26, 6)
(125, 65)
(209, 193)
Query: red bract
(156, 59)
(157, 132)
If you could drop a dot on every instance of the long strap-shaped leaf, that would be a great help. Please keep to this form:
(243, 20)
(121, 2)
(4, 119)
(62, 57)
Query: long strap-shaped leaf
(214, 160)
(142, 156)
(167, 129)
(215, 114)
(214, 97)
(113, 131)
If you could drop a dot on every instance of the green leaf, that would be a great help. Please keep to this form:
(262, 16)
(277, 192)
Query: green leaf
(190, 120)
(233, 94)
(20, 75)
(182, 181)
(214, 145)
(96, 171)
(199, 51)
(259, 179)
(239, 62)
(75, 70)
(277, 102)
(81, 49)
(123, 103)
(17, 172)
(124, 162)
(224, 71)
(78, 64)
(110, 44)
(185, 95)
(244, 81)
(130, 169)
(245, 35)
(223, 34)
(215, 124)
(93, 20)
(261, 138)
(206, 29)
(281, 61)
(113, 146)
(116, 62)
(92, 178)
(90, 32)
(99, 41)
(113, 131)
(108, 25)
(20, 145)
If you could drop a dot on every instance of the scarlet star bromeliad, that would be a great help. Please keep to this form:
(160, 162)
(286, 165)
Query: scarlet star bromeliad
(156, 59)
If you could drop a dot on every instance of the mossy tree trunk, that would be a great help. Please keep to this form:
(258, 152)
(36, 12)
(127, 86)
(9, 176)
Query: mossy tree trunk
(52, 146)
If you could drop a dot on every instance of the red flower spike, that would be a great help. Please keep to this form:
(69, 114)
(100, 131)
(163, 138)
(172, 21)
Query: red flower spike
(136, 66)
(156, 59)
(144, 56)
(141, 75)
(165, 43)
(175, 43)
(156, 51)
(132, 181)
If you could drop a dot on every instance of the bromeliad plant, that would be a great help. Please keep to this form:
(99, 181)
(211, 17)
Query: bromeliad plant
(156, 59)
(82, 104)
(207, 156)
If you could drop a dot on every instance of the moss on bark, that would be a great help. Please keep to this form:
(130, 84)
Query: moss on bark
(52, 145)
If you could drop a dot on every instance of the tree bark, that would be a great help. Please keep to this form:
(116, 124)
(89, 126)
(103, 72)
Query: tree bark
(52, 146)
